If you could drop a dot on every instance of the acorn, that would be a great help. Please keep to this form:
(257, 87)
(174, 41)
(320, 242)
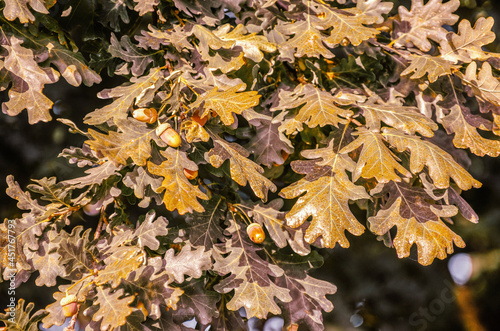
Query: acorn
(69, 305)
(147, 115)
(256, 233)
(168, 135)
(190, 174)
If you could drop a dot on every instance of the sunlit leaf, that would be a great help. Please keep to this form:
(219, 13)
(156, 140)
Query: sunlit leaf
(433, 238)
(226, 103)
(327, 193)
(28, 80)
(426, 22)
(376, 159)
(243, 170)
(179, 193)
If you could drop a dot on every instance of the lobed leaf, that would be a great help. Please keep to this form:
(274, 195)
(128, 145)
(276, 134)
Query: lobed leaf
(433, 238)
(440, 164)
(328, 191)
(179, 193)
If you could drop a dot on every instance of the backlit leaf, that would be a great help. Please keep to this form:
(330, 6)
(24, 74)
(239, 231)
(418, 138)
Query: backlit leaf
(327, 193)
(347, 24)
(113, 307)
(440, 164)
(466, 135)
(433, 66)
(226, 103)
(132, 140)
(426, 22)
(243, 170)
(307, 40)
(28, 82)
(317, 107)
(404, 118)
(433, 238)
(179, 193)
(376, 159)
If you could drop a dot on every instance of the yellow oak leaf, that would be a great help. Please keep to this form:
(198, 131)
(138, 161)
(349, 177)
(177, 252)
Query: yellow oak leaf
(179, 193)
(433, 238)
(227, 102)
(441, 165)
(376, 159)
(328, 191)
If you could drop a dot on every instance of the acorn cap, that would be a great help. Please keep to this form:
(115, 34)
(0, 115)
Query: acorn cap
(68, 299)
(161, 128)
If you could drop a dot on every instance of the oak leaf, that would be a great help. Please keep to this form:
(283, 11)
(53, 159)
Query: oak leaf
(274, 221)
(347, 24)
(188, 262)
(126, 96)
(205, 228)
(268, 144)
(179, 193)
(226, 103)
(466, 45)
(426, 22)
(19, 9)
(242, 169)
(113, 309)
(328, 191)
(317, 107)
(433, 238)
(307, 40)
(433, 66)
(466, 135)
(441, 165)
(22, 319)
(249, 276)
(404, 118)
(485, 86)
(28, 81)
(154, 291)
(308, 293)
(376, 159)
(252, 44)
(127, 51)
(132, 140)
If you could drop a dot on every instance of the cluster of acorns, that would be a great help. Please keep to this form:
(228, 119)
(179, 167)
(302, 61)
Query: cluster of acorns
(169, 136)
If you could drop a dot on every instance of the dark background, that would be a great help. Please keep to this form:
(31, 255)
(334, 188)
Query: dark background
(376, 290)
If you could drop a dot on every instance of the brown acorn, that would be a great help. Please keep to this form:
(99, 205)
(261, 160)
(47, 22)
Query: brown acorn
(69, 305)
(190, 174)
(147, 115)
(256, 233)
(168, 135)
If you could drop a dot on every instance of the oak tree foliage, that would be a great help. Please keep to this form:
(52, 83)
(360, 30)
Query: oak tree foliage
(291, 113)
